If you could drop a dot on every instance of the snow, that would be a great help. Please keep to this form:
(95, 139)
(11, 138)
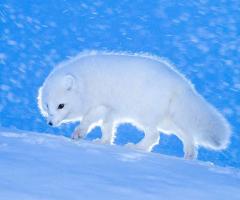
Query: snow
(40, 166)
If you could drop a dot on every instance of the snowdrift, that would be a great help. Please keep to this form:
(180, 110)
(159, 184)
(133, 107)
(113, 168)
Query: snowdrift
(36, 166)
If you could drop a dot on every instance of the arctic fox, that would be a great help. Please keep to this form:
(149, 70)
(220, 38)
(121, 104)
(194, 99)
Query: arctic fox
(112, 88)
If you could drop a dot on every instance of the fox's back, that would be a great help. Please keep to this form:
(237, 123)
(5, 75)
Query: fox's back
(132, 77)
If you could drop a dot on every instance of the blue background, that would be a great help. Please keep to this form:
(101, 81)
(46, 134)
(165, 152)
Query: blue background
(202, 38)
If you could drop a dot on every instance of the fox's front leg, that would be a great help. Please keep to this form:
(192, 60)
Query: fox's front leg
(92, 116)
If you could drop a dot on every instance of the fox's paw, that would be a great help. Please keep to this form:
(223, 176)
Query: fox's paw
(137, 146)
(190, 155)
(130, 145)
(77, 134)
(101, 141)
(97, 141)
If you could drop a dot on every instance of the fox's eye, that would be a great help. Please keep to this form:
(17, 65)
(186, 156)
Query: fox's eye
(60, 106)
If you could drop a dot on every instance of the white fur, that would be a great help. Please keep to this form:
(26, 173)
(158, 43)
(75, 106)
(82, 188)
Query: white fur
(100, 88)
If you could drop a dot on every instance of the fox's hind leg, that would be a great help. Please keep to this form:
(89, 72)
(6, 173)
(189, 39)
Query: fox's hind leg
(190, 151)
(189, 148)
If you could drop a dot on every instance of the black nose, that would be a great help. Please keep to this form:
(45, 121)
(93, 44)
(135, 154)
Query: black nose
(50, 123)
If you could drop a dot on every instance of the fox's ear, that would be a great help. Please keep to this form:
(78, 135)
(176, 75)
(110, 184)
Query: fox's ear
(69, 82)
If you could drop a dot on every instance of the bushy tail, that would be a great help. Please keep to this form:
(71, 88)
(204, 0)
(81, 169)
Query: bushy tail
(207, 126)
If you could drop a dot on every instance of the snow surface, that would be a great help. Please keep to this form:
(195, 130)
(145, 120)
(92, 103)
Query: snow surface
(41, 166)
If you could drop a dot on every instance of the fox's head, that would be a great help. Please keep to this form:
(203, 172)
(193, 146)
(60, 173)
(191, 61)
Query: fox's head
(58, 99)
